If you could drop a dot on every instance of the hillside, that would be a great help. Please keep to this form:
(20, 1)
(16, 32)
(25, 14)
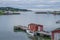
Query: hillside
(12, 9)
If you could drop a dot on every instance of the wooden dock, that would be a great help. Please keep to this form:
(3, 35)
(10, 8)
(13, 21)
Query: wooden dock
(19, 27)
(44, 34)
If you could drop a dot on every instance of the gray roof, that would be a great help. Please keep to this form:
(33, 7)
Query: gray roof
(57, 29)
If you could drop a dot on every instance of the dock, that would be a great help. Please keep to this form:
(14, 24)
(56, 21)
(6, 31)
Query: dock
(19, 27)
(41, 33)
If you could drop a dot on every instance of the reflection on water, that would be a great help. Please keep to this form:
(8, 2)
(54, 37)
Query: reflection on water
(33, 38)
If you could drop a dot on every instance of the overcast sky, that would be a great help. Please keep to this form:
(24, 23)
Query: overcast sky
(32, 4)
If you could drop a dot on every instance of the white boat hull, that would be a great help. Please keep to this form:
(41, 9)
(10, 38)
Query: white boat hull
(30, 33)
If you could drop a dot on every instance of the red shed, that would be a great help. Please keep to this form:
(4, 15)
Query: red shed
(56, 34)
(35, 27)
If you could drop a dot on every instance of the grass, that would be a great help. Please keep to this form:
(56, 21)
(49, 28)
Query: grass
(1, 12)
(47, 38)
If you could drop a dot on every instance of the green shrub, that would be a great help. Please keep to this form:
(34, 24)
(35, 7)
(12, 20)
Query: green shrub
(1, 12)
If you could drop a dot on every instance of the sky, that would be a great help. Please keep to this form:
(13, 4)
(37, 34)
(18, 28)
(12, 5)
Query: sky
(35, 5)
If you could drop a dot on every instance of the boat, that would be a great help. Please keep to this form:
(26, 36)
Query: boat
(31, 33)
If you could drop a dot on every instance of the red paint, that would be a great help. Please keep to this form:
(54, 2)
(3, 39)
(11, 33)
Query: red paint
(34, 27)
(52, 36)
(53, 32)
(56, 31)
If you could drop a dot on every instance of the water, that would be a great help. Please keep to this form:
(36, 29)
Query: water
(7, 23)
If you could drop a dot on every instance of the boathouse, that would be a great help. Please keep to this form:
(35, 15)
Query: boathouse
(56, 34)
(35, 27)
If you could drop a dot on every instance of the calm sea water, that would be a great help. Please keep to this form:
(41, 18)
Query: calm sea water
(7, 23)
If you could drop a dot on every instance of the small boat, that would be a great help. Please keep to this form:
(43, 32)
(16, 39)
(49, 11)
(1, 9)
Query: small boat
(31, 33)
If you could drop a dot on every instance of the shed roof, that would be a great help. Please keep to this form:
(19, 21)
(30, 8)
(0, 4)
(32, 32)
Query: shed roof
(32, 24)
(35, 24)
(56, 29)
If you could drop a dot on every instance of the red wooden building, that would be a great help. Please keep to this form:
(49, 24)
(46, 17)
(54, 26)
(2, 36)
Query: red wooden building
(35, 27)
(56, 34)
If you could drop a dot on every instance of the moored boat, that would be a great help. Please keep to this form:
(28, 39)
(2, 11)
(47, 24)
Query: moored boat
(30, 33)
